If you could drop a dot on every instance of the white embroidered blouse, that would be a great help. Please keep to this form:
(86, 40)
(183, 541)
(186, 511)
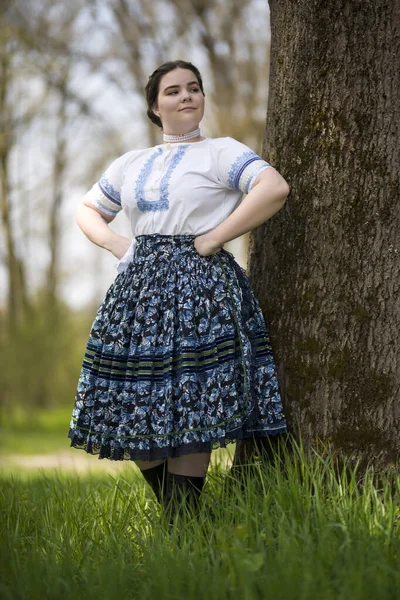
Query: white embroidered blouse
(172, 189)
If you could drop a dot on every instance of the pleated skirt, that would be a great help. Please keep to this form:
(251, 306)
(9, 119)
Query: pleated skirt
(178, 358)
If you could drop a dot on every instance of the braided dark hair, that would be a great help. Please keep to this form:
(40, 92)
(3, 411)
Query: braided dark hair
(153, 85)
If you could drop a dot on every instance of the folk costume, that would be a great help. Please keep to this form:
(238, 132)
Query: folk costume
(178, 359)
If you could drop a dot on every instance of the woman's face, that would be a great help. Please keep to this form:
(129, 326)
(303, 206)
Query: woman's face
(180, 102)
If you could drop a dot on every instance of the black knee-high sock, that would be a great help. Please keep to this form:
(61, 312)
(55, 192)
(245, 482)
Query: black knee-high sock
(156, 477)
(182, 494)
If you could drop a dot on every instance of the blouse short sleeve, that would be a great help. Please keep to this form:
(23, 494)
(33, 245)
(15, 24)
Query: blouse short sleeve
(105, 195)
(238, 166)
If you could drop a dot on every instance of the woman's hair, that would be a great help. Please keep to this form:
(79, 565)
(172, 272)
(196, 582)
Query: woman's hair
(153, 85)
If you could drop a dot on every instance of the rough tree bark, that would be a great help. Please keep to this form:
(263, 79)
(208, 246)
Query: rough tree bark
(327, 268)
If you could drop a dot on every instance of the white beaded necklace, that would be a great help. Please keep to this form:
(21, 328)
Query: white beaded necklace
(181, 138)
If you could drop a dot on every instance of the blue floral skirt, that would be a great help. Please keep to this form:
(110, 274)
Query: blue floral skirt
(178, 358)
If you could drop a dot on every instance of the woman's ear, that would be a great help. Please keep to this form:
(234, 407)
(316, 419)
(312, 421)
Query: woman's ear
(155, 110)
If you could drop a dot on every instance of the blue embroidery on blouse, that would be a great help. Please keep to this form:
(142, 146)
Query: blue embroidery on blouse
(163, 202)
(239, 166)
(109, 191)
(110, 211)
(142, 180)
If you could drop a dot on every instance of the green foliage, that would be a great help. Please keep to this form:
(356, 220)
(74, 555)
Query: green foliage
(40, 360)
(45, 432)
(304, 527)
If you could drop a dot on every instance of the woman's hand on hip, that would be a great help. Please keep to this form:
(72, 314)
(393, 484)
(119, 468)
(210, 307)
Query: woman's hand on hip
(206, 245)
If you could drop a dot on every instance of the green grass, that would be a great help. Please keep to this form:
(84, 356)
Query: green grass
(303, 529)
(42, 432)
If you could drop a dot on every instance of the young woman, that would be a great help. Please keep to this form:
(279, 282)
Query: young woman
(178, 359)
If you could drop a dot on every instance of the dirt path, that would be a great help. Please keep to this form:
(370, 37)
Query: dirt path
(80, 463)
(61, 460)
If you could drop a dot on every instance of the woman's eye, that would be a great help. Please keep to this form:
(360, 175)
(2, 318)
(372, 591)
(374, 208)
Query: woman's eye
(191, 90)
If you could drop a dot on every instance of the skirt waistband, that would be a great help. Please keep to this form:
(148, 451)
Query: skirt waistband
(184, 237)
(149, 240)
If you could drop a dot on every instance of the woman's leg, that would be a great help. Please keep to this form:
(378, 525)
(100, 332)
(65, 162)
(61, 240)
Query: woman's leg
(155, 473)
(179, 478)
(185, 480)
(194, 465)
(148, 464)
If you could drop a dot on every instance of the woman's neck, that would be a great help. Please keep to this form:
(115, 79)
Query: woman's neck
(190, 136)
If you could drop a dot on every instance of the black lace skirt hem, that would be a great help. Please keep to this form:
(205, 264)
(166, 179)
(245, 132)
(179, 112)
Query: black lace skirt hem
(121, 453)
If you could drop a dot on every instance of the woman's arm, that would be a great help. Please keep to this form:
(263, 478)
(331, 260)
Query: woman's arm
(94, 225)
(266, 197)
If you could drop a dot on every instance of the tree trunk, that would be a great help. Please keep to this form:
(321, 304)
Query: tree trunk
(17, 302)
(326, 269)
(59, 166)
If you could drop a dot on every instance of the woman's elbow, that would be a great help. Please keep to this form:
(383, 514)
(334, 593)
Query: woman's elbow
(274, 181)
(284, 189)
(282, 193)
(83, 212)
(78, 211)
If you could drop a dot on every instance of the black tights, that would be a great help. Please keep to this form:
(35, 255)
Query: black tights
(176, 492)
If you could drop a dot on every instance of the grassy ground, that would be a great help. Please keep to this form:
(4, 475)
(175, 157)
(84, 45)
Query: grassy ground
(42, 432)
(302, 529)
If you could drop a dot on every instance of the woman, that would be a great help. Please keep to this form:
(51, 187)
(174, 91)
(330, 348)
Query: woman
(178, 360)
